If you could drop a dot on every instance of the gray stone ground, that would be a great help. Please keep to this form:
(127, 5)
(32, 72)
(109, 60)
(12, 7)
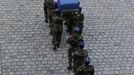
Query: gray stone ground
(26, 49)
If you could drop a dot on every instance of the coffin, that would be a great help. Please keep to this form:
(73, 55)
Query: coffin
(68, 5)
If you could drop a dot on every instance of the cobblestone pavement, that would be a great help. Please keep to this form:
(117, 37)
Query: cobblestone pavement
(25, 43)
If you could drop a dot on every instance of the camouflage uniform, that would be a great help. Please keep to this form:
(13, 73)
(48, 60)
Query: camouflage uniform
(85, 70)
(57, 28)
(70, 56)
(73, 41)
(47, 5)
(70, 21)
(78, 58)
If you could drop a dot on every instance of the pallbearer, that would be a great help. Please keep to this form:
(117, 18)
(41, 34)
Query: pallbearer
(72, 50)
(47, 5)
(78, 58)
(57, 28)
(86, 69)
(74, 41)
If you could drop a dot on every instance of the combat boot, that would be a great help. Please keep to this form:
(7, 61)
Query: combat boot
(54, 48)
(58, 45)
(69, 67)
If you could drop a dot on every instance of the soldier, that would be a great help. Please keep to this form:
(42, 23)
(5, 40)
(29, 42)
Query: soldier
(78, 58)
(45, 11)
(75, 40)
(48, 4)
(73, 50)
(57, 26)
(70, 58)
(74, 37)
(85, 69)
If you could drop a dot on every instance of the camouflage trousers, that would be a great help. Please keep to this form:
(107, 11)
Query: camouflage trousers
(70, 56)
(56, 38)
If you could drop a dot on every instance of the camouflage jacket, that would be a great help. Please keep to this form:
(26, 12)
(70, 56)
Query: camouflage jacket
(74, 40)
(49, 3)
(57, 22)
(85, 70)
(78, 58)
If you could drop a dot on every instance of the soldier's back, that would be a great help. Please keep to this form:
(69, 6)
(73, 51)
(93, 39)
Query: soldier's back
(74, 40)
(82, 53)
(78, 57)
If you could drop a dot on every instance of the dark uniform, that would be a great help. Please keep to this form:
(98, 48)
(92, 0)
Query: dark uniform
(73, 40)
(70, 56)
(74, 45)
(85, 70)
(57, 27)
(70, 21)
(47, 5)
(51, 14)
(78, 58)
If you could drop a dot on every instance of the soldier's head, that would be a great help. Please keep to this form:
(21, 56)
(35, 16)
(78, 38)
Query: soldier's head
(87, 60)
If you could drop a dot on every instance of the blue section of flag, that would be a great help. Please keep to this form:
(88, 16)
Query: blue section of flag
(68, 5)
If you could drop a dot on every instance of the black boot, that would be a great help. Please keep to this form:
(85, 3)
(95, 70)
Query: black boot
(69, 67)
(58, 45)
(54, 48)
